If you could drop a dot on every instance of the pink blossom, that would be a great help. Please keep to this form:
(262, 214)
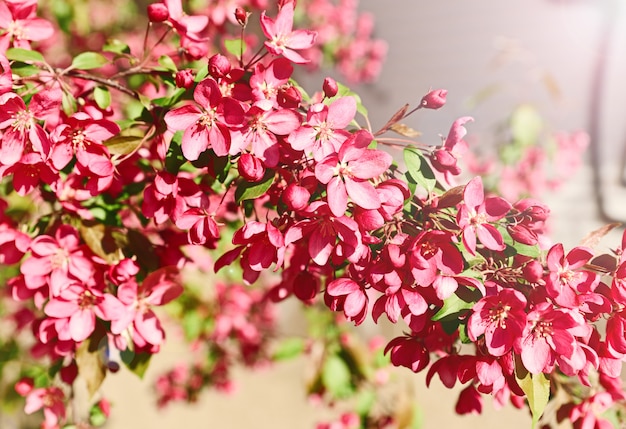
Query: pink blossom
(158, 288)
(347, 173)
(207, 123)
(444, 159)
(80, 306)
(546, 336)
(348, 296)
(477, 213)
(501, 318)
(324, 130)
(283, 40)
(21, 25)
(52, 400)
(58, 261)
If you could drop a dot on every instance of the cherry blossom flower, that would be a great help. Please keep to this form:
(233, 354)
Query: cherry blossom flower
(207, 123)
(475, 215)
(283, 40)
(57, 261)
(80, 306)
(501, 318)
(348, 296)
(158, 288)
(324, 130)
(546, 336)
(347, 173)
(444, 159)
(19, 25)
(51, 400)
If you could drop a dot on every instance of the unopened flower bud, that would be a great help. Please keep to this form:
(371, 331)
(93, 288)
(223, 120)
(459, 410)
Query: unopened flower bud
(250, 167)
(24, 386)
(434, 99)
(157, 12)
(289, 97)
(533, 272)
(184, 78)
(305, 286)
(330, 87)
(219, 66)
(241, 16)
(523, 235)
(296, 197)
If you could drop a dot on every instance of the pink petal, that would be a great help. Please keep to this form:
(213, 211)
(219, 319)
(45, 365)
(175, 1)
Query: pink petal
(337, 196)
(474, 194)
(362, 194)
(82, 324)
(341, 112)
(342, 286)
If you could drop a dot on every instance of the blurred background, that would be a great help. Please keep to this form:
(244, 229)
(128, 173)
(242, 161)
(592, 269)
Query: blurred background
(566, 59)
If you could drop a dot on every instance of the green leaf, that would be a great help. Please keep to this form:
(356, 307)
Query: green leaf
(365, 401)
(192, 324)
(102, 96)
(117, 47)
(24, 55)
(123, 145)
(289, 348)
(452, 307)
(252, 190)
(167, 63)
(233, 46)
(526, 124)
(171, 100)
(97, 416)
(68, 103)
(24, 70)
(537, 390)
(89, 60)
(418, 170)
(136, 362)
(336, 377)
(104, 241)
(90, 362)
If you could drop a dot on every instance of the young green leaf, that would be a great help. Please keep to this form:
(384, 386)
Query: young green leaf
(251, 190)
(452, 307)
(537, 390)
(233, 46)
(88, 60)
(24, 55)
(102, 96)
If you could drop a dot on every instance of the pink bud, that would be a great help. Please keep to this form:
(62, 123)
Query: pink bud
(523, 235)
(24, 386)
(241, 16)
(330, 87)
(105, 407)
(184, 78)
(538, 212)
(434, 99)
(305, 287)
(157, 12)
(250, 167)
(219, 66)
(296, 197)
(289, 97)
(533, 272)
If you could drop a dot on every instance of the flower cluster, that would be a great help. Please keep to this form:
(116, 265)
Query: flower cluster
(136, 163)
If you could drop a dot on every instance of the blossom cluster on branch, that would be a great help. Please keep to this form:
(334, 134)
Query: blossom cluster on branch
(123, 165)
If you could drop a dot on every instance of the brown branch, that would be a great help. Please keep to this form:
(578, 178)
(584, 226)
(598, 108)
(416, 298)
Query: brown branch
(104, 81)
